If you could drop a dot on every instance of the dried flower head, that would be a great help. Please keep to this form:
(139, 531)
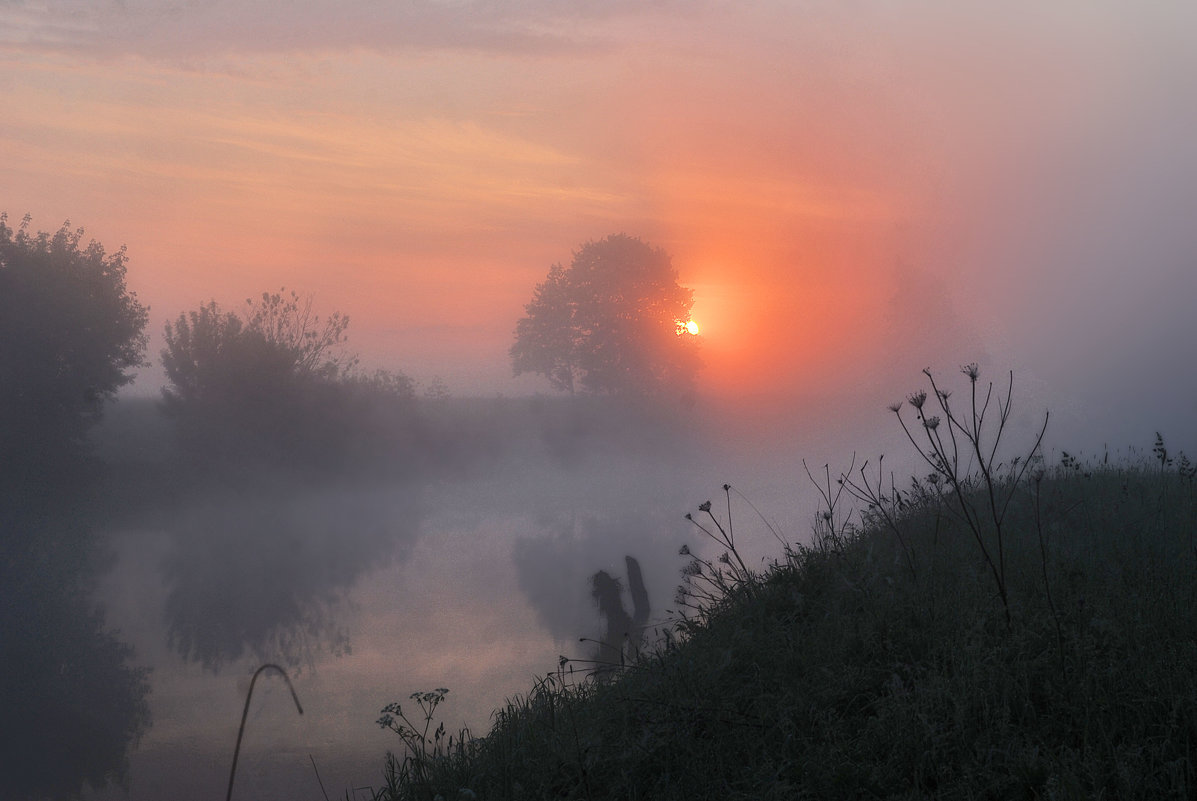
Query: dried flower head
(918, 399)
(971, 370)
(932, 422)
(895, 407)
(705, 506)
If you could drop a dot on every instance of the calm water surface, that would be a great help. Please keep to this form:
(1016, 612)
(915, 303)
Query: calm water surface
(367, 593)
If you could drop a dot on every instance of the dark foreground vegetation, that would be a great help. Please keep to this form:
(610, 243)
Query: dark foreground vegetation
(999, 629)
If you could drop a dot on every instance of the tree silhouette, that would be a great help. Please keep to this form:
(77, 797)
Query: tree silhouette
(70, 331)
(72, 705)
(612, 322)
(274, 383)
(215, 358)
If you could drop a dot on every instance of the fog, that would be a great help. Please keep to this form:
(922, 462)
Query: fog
(473, 575)
(855, 192)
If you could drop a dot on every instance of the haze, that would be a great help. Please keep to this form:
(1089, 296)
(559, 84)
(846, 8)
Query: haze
(855, 191)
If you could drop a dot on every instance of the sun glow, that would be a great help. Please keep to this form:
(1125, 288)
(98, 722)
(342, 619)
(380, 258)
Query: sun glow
(691, 328)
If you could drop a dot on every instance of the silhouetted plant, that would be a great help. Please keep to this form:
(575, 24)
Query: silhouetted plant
(1161, 453)
(424, 752)
(881, 505)
(830, 527)
(1186, 469)
(983, 497)
(707, 584)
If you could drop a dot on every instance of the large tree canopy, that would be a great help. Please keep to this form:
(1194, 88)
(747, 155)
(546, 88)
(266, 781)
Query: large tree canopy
(70, 331)
(610, 323)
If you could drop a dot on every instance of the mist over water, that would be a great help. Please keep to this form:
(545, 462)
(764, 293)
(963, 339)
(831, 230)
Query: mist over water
(463, 561)
(472, 573)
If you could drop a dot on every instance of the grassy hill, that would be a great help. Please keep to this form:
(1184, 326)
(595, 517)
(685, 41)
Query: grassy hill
(1000, 629)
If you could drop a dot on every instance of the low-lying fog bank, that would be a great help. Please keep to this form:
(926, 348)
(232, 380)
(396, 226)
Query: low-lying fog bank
(458, 553)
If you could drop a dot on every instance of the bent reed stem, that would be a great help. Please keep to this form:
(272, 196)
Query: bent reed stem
(245, 713)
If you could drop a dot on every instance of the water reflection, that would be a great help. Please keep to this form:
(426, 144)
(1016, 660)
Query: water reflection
(624, 635)
(267, 575)
(471, 570)
(74, 703)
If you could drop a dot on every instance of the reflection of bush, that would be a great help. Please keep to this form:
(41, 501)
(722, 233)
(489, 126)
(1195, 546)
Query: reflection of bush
(472, 434)
(307, 425)
(72, 705)
(267, 576)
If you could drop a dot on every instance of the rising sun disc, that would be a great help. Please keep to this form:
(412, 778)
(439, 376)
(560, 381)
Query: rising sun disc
(692, 328)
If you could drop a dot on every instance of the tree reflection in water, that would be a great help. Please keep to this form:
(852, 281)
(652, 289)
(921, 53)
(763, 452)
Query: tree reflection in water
(73, 704)
(268, 576)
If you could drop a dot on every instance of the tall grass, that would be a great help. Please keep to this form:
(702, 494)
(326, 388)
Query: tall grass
(1043, 648)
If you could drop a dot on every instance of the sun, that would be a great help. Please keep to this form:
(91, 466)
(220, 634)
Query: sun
(691, 328)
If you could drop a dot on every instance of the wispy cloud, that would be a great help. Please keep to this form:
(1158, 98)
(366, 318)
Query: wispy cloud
(172, 29)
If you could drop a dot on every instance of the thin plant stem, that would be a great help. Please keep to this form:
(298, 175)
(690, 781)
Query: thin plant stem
(245, 714)
(1047, 586)
(318, 779)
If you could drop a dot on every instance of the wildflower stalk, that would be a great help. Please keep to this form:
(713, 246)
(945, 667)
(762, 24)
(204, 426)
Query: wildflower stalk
(882, 504)
(834, 534)
(966, 442)
(740, 573)
(419, 755)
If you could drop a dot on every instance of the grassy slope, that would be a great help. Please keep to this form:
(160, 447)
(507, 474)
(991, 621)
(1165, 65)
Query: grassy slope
(860, 668)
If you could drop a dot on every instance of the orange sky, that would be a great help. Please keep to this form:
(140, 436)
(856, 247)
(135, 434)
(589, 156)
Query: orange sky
(420, 167)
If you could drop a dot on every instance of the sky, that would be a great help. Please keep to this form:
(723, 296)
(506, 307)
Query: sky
(854, 190)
